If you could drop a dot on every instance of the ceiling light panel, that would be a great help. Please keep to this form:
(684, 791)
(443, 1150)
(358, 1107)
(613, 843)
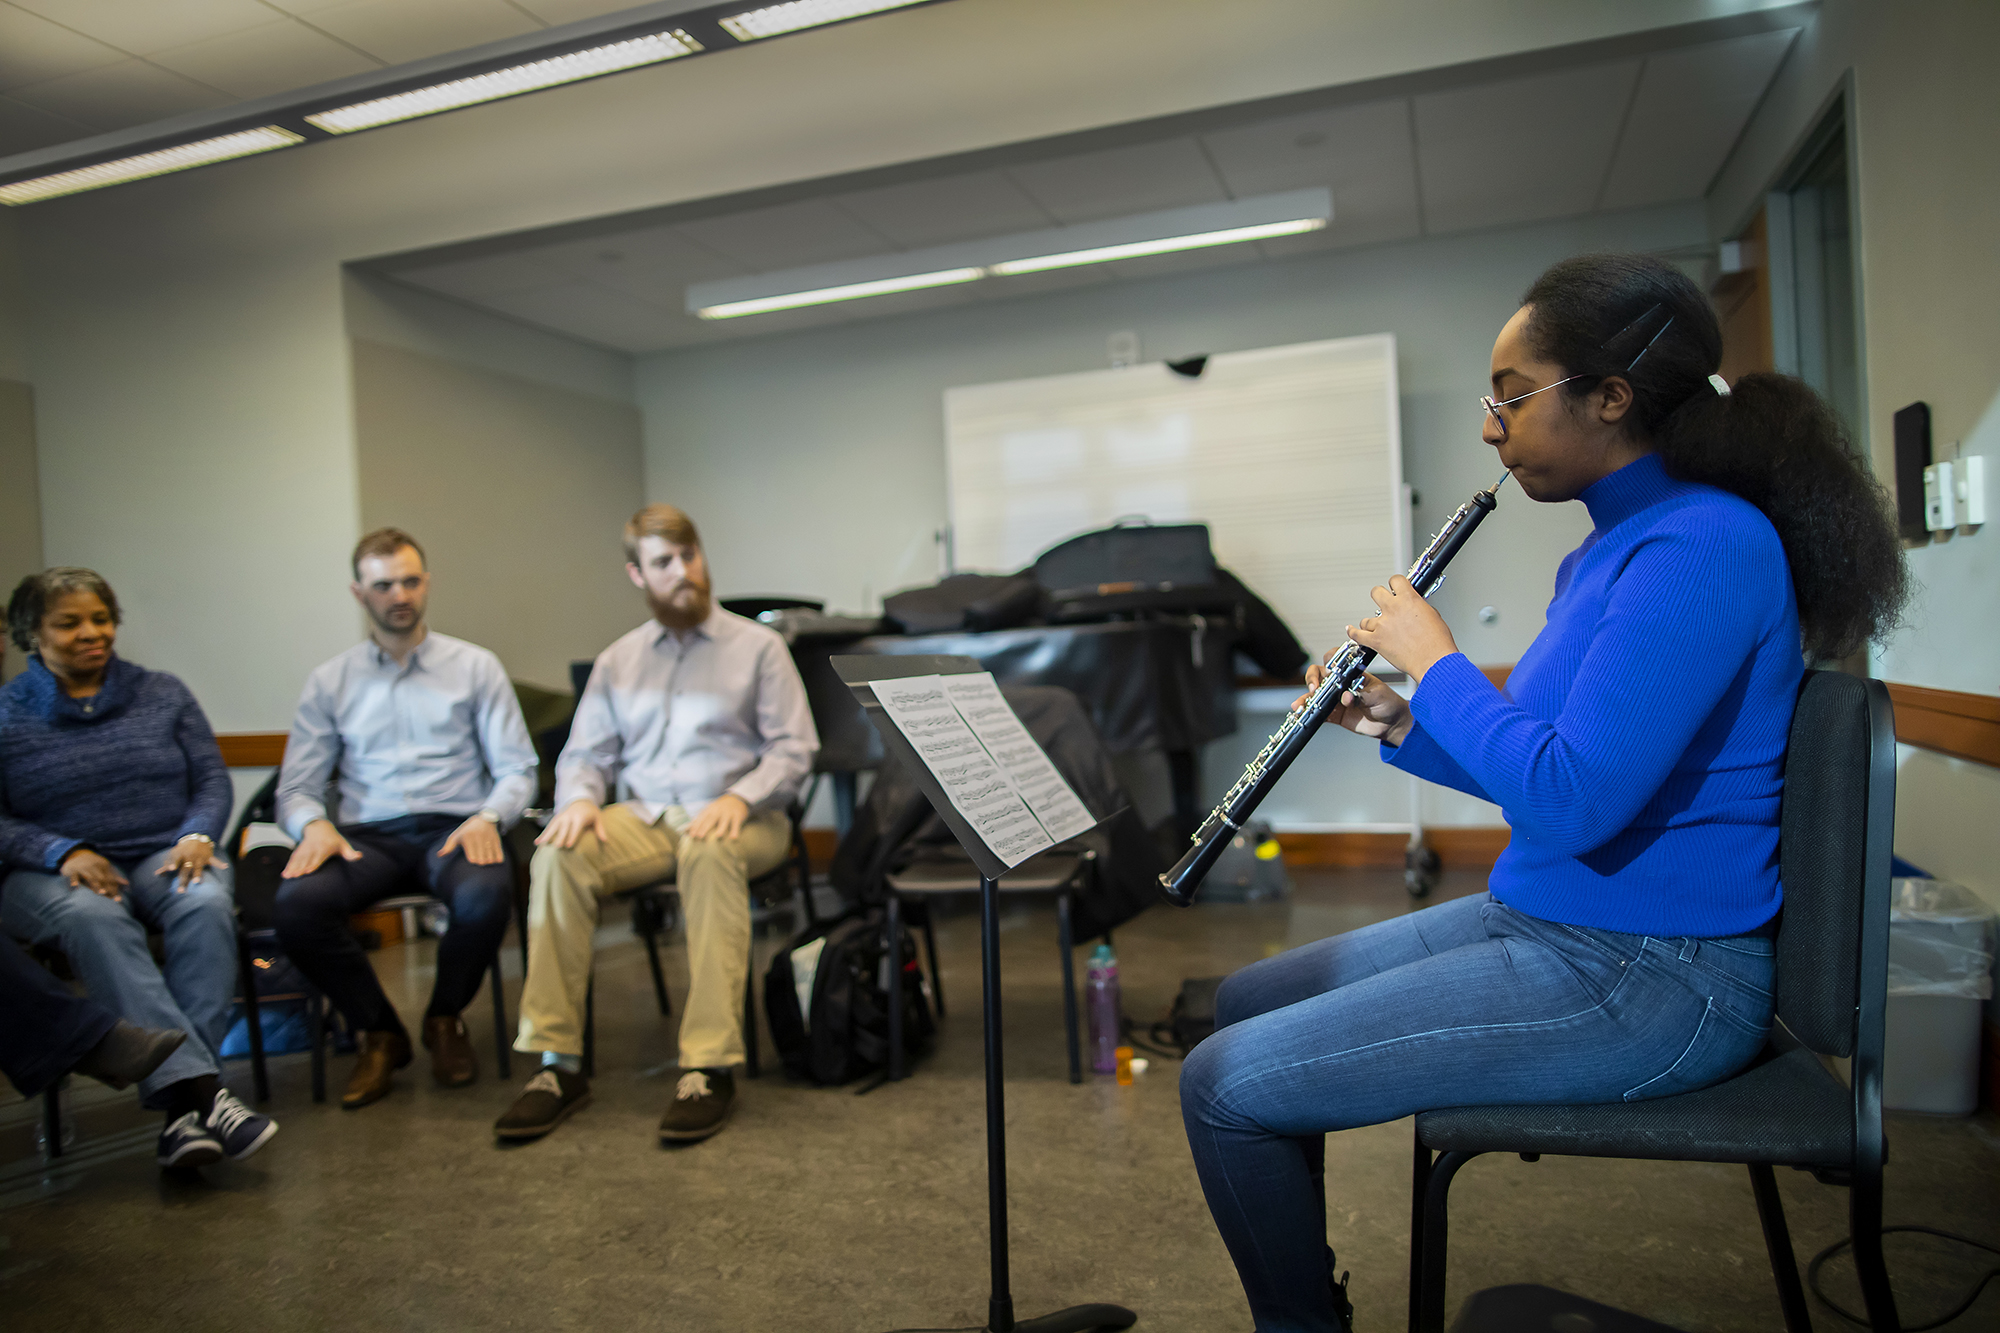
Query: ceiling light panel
(510, 82)
(1166, 245)
(853, 291)
(774, 20)
(244, 143)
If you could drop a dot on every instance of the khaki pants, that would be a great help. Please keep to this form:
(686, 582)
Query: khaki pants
(713, 878)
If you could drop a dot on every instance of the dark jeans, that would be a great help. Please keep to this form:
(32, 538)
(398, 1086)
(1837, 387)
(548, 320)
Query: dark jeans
(1468, 1003)
(47, 1029)
(397, 856)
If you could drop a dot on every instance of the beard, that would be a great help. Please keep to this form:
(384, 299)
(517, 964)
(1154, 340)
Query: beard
(683, 608)
(397, 620)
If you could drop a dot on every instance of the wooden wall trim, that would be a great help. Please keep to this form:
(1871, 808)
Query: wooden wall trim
(1966, 726)
(1470, 848)
(252, 749)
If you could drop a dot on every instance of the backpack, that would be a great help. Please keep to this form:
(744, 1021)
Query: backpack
(827, 998)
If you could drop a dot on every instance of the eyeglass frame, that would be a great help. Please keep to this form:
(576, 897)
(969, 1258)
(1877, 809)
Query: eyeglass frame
(1493, 406)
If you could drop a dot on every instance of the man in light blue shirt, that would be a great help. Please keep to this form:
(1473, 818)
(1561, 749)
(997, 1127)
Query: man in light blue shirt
(691, 739)
(421, 738)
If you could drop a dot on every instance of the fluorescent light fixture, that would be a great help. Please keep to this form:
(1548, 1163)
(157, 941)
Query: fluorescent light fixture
(1165, 232)
(1166, 245)
(852, 291)
(773, 20)
(180, 157)
(510, 82)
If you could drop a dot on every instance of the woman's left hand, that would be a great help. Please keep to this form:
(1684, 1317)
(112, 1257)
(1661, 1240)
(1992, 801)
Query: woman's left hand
(1406, 632)
(190, 858)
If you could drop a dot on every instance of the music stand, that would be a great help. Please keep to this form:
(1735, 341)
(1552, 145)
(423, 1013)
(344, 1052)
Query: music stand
(856, 672)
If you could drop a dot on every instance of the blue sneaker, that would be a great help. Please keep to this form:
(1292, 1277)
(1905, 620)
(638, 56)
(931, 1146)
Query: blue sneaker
(240, 1130)
(187, 1142)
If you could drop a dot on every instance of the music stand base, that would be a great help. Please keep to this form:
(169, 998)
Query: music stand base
(1076, 1319)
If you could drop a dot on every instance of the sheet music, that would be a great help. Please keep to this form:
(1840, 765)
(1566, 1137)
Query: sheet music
(979, 788)
(1053, 801)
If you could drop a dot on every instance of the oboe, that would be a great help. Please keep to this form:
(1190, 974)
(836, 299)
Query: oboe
(1343, 673)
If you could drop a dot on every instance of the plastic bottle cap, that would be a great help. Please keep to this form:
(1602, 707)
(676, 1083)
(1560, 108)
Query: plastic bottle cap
(1102, 954)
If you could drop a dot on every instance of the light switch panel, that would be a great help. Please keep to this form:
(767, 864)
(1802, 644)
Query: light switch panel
(1940, 498)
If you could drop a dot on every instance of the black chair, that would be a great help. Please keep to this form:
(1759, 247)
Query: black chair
(656, 905)
(255, 903)
(1787, 1109)
(943, 871)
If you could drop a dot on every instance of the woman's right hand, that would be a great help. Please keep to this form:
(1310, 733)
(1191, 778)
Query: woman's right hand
(1374, 711)
(85, 869)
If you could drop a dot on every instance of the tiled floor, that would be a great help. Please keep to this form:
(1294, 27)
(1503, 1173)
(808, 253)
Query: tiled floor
(820, 1209)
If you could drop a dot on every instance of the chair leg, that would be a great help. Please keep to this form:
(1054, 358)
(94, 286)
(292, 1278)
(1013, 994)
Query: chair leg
(1778, 1241)
(894, 928)
(1436, 1202)
(1420, 1183)
(253, 1020)
(930, 948)
(316, 1007)
(52, 1125)
(750, 1065)
(1864, 1223)
(1067, 945)
(590, 1028)
(651, 935)
(500, 1042)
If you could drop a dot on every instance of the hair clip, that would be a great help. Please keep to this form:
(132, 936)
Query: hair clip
(1720, 385)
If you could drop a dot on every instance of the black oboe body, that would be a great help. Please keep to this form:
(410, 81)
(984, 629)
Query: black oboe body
(1343, 673)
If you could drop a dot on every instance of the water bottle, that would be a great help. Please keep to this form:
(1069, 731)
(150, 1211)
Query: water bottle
(1101, 993)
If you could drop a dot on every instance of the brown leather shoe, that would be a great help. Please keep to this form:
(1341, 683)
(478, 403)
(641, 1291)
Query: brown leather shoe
(382, 1054)
(453, 1064)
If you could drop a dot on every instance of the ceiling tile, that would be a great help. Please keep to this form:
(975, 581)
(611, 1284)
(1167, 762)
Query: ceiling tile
(1519, 151)
(1362, 153)
(33, 50)
(272, 58)
(953, 208)
(654, 265)
(23, 128)
(813, 232)
(581, 310)
(398, 30)
(131, 92)
(570, 11)
(1690, 108)
(1120, 181)
(145, 26)
(483, 279)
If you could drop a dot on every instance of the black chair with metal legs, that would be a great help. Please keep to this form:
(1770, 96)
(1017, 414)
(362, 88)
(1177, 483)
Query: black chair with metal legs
(655, 905)
(947, 871)
(1787, 1109)
(256, 898)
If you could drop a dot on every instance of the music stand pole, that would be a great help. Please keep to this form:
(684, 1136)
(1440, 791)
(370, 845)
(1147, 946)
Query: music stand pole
(1000, 1305)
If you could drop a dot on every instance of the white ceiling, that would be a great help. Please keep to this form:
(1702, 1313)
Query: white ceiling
(1617, 135)
(74, 68)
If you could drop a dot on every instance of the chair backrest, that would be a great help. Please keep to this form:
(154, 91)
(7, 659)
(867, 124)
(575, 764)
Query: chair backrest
(1835, 832)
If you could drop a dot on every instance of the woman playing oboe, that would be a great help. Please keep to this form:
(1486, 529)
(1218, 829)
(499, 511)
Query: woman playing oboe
(1623, 950)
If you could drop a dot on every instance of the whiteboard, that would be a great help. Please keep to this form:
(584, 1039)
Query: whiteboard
(1291, 455)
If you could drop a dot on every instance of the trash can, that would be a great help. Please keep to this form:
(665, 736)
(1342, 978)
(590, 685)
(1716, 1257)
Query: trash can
(1940, 974)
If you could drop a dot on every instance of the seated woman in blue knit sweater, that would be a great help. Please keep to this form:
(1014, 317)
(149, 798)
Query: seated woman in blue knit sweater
(1624, 948)
(112, 798)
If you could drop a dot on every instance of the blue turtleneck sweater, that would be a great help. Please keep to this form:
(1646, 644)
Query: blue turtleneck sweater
(1638, 749)
(128, 771)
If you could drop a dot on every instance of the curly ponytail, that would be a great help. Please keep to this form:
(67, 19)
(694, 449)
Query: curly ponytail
(1772, 440)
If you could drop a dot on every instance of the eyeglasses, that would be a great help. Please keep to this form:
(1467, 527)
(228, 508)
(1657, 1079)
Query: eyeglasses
(1493, 407)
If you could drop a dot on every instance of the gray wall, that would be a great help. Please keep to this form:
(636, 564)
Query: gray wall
(815, 462)
(20, 490)
(1930, 279)
(517, 491)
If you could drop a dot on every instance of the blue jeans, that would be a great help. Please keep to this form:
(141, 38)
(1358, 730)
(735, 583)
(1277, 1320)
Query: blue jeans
(106, 944)
(1468, 1003)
